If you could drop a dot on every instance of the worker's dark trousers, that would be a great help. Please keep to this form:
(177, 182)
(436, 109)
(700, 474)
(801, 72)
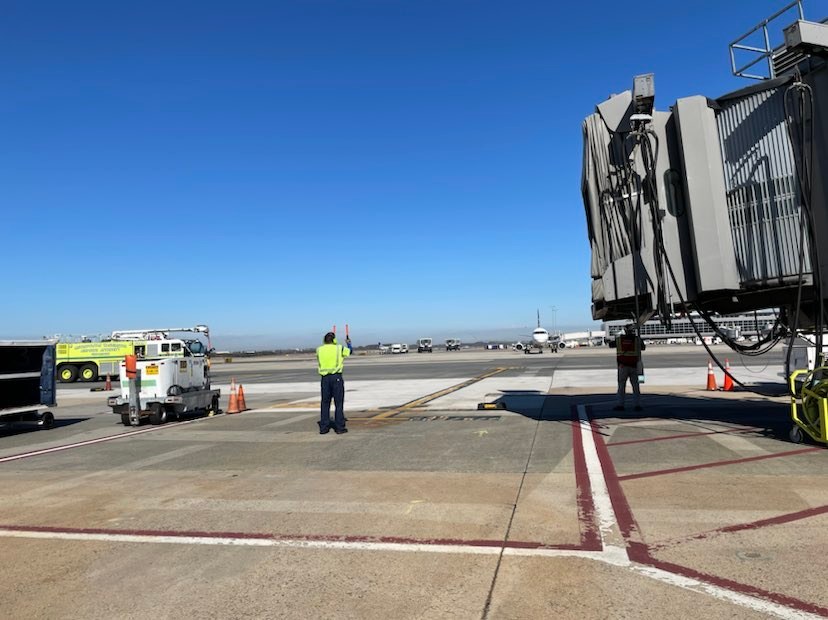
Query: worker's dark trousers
(333, 386)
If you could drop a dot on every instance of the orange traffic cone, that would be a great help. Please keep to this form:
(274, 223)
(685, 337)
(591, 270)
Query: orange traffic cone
(233, 405)
(728, 379)
(711, 378)
(242, 404)
(108, 384)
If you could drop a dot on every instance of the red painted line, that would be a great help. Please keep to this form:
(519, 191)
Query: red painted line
(749, 459)
(753, 525)
(517, 544)
(682, 436)
(639, 552)
(89, 442)
(590, 537)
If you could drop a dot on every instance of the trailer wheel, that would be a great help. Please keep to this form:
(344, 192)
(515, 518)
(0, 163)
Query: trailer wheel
(67, 373)
(88, 372)
(47, 419)
(795, 434)
(125, 419)
(158, 415)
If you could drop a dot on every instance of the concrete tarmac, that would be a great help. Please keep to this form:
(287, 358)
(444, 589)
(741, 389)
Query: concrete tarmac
(556, 506)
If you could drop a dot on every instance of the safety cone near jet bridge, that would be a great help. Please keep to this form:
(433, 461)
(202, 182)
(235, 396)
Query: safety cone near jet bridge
(711, 378)
(728, 378)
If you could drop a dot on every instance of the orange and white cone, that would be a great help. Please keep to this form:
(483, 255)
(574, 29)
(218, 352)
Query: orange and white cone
(233, 406)
(728, 379)
(711, 378)
(240, 399)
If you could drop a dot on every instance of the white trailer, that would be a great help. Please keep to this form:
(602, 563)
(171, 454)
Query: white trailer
(27, 381)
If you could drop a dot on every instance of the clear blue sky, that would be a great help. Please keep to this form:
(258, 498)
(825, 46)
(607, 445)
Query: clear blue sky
(271, 168)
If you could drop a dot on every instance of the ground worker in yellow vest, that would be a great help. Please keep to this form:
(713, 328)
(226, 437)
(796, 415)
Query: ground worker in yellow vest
(628, 356)
(331, 360)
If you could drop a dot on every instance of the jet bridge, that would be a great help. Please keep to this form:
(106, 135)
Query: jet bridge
(716, 205)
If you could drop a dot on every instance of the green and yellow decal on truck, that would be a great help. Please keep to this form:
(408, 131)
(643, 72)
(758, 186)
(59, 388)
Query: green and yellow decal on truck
(88, 361)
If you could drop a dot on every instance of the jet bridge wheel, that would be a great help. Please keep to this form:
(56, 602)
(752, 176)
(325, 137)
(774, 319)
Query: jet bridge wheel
(795, 434)
(158, 415)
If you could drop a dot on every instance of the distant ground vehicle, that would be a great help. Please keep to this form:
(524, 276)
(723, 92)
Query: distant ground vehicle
(396, 348)
(452, 344)
(27, 381)
(165, 386)
(383, 349)
(88, 361)
(424, 345)
(403, 348)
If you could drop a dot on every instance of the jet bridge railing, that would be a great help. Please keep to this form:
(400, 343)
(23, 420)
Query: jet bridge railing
(766, 52)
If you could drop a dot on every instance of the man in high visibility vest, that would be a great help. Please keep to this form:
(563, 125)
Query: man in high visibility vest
(330, 358)
(628, 356)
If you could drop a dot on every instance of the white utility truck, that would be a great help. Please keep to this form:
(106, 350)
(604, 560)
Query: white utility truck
(453, 344)
(424, 345)
(160, 386)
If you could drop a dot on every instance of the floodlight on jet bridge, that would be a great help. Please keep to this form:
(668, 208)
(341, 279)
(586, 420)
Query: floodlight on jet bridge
(644, 94)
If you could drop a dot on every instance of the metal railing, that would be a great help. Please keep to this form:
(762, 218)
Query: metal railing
(762, 53)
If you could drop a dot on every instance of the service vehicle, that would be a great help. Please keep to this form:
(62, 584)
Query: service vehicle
(452, 344)
(396, 348)
(27, 381)
(164, 384)
(424, 345)
(403, 348)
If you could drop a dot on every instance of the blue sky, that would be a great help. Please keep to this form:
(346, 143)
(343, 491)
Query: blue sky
(272, 168)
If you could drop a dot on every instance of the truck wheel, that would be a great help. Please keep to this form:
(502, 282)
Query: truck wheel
(158, 415)
(67, 373)
(47, 419)
(214, 406)
(88, 372)
(125, 419)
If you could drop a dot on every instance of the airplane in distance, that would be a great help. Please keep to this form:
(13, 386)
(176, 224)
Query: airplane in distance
(539, 339)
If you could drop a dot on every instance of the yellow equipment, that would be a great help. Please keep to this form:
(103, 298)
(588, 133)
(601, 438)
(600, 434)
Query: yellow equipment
(809, 404)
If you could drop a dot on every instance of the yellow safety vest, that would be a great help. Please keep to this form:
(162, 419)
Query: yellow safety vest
(331, 358)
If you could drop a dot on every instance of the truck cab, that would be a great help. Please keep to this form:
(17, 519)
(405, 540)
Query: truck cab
(424, 345)
(453, 344)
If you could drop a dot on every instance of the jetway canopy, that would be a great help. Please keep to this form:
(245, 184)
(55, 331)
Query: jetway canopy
(702, 206)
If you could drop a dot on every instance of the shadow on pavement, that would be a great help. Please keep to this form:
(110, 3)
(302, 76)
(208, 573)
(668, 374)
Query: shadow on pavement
(770, 418)
(19, 428)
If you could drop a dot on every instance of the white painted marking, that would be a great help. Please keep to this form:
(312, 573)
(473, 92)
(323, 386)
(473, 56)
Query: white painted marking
(607, 521)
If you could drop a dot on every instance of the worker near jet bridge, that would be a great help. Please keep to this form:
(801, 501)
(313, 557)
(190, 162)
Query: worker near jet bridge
(628, 348)
(331, 360)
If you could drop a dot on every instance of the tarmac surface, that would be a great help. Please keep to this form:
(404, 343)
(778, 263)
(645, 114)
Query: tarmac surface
(556, 506)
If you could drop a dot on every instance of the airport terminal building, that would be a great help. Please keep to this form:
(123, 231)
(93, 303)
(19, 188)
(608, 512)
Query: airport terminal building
(744, 325)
